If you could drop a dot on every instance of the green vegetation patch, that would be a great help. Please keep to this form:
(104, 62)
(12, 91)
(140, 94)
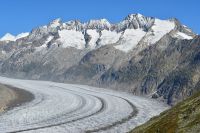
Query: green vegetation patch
(182, 118)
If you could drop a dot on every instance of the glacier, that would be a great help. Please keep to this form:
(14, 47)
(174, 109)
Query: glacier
(59, 107)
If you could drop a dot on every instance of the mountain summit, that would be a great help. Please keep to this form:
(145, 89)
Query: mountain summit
(125, 35)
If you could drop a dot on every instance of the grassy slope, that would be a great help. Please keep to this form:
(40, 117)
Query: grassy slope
(182, 118)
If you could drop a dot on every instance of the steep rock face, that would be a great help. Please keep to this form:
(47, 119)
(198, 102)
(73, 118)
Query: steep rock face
(184, 79)
(135, 21)
(143, 55)
(169, 73)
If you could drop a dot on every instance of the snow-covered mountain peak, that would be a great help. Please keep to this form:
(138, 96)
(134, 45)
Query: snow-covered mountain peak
(104, 21)
(22, 35)
(73, 25)
(135, 21)
(72, 22)
(134, 16)
(100, 24)
(10, 37)
(126, 35)
(55, 23)
(134, 30)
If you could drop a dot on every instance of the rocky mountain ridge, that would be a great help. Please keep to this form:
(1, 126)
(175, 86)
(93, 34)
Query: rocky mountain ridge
(96, 33)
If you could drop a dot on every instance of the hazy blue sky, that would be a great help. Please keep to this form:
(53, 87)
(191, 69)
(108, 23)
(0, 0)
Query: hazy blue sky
(22, 15)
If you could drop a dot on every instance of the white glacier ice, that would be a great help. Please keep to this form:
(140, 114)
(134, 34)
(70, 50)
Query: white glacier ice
(59, 107)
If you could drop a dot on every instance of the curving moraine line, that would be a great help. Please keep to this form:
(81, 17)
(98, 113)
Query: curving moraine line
(59, 124)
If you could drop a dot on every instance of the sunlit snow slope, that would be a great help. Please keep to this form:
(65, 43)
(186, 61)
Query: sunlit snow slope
(65, 108)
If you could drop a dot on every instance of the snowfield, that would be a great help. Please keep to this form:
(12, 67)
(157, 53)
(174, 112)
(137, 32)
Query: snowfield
(59, 107)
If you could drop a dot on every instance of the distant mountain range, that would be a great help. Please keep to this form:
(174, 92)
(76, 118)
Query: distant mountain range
(142, 55)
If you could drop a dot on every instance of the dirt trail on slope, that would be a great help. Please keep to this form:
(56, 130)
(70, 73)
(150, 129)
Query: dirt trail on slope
(11, 97)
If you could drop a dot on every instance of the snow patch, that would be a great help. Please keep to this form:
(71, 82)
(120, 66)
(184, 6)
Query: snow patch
(158, 30)
(99, 24)
(44, 45)
(71, 38)
(94, 37)
(3, 52)
(130, 39)
(22, 35)
(182, 35)
(109, 37)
